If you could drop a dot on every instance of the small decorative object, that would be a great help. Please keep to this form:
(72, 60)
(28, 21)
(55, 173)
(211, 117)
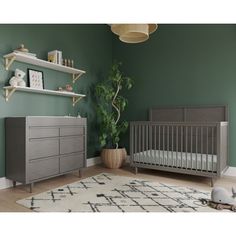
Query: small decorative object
(22, 48)
(110, 105)
(68, 62)
(55, 57)
(221, 199)
(65, 62)
(68, 88)
(221, 195)
(24, 51)
(35, 78)
(17, 79)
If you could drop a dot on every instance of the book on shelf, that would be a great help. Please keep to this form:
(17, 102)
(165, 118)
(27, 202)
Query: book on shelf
(52, 56)
(55, 57)
(59, 57)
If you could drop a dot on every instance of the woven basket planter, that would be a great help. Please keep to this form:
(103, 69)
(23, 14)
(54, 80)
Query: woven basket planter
(113, 158)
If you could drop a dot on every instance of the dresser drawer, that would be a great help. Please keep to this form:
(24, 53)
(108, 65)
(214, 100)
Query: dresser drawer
(43, 148)
(42, 168)
(43, 132)
(67, 131)
(71, 144)
(71, 162)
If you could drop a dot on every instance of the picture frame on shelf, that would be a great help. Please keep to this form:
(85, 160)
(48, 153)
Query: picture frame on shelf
(35, 79)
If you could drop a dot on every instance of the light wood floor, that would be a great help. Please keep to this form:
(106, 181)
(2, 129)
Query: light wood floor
(8, 197)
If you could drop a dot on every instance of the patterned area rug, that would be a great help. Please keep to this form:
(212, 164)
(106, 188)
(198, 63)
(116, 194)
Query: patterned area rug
(111, 193)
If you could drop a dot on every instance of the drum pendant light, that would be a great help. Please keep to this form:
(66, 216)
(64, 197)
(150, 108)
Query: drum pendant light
(133, 33)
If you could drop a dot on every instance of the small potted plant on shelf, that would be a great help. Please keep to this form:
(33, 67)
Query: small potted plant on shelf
(110, 106)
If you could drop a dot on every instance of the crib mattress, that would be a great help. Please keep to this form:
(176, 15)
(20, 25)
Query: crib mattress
(183, 160)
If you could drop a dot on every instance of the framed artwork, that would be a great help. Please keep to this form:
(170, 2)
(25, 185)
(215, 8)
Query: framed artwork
(35, 79)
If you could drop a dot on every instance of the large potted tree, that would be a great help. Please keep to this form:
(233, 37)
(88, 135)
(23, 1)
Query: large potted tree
(110, 105)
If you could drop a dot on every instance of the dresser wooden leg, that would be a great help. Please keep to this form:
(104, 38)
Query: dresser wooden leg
(14, 183)
(80, 173)
(136, 170)
(31, 187)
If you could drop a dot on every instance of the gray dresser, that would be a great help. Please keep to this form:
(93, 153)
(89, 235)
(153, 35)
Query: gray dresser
(38, 148)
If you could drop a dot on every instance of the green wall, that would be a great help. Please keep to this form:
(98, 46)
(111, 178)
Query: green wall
(178, 65)
(90, 46)
(182, 65)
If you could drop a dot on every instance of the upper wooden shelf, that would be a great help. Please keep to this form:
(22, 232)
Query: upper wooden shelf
(10, 58)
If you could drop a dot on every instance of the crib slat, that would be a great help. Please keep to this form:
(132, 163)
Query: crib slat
(140, 142)
(159, 144)
(150, 142)
(146, 146)
(212, 149)
(147, 141)
(201, 140)
(191, 146)
(155, 143)
(163, 145)
(143, 139)
(132, 151)
(207, 149)
(135, 140)
(168, 144)
(172, 144)
(181, 130)
(186, 148)
(177, 146)
(132, 142)
(196, 148)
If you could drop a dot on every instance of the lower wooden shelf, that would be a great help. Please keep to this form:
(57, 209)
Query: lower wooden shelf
(9, 90)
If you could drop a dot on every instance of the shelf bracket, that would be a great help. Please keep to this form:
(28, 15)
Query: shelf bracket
(75, 100)
(75, 77)
(8, 93)
(8, 62)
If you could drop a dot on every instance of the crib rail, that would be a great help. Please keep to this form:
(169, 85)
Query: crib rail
(182, 146)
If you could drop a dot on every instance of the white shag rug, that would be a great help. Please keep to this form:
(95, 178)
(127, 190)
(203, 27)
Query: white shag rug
(111, 193)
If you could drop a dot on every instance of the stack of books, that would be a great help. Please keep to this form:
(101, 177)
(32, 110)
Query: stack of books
(55, 57)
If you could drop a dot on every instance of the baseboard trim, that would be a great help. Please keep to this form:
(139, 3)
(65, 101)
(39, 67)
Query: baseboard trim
(231, 171)
(6, 183)
(93, 161)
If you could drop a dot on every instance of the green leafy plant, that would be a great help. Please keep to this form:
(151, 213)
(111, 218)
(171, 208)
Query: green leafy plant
(110, 106)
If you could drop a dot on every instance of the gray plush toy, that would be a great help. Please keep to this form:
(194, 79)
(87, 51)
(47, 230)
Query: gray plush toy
(222, 196)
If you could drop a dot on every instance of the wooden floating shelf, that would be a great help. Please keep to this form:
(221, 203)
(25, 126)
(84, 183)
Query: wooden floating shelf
(10, 58)
(9, 90)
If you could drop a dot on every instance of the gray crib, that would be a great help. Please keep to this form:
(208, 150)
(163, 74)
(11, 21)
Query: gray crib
(189, 140)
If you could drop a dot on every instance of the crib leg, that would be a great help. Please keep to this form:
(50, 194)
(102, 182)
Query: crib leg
(136, 170)
(212, 182)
